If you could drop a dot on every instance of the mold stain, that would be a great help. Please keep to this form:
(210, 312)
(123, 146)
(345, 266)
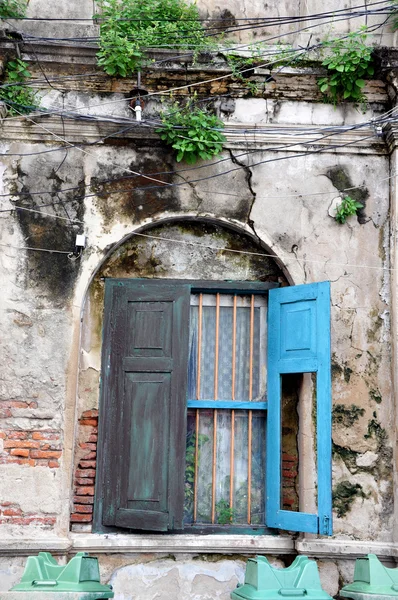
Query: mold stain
(344, 494)
(346, 415)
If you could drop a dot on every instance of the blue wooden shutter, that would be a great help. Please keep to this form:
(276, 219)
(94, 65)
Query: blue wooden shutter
(299, 342)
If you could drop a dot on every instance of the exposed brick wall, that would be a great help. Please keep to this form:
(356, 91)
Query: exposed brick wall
(289, 480)
(85, 465)
(12, 514)
(31, 448)
(7, 407)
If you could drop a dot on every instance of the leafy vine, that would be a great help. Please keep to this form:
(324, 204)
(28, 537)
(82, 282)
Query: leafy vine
(193, 132)
(349, 63)
(12, 9)
(128, 28)
(19, 98)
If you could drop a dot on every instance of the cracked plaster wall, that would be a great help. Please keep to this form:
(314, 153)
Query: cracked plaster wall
(276, 203)
(229, 11)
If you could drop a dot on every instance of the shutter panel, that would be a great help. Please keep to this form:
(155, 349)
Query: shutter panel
(144, 405)
(299, 342)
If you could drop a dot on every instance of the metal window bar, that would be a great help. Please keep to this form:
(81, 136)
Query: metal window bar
(216, 301)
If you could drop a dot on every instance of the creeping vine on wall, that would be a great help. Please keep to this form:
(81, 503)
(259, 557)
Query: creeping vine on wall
(19, 98)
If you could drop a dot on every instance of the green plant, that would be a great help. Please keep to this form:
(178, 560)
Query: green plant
(349, 64)
(193, 132)
(190, 468)
(225, 513)
(347, 208)
(128, 28)
(394, 13)
(12, 9)
(19, 98)
(241, 69)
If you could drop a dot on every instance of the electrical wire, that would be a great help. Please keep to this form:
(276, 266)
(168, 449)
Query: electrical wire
(219, 249)
(189, 169)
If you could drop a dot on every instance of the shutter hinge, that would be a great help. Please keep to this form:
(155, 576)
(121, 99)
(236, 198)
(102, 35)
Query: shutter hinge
(325, 525)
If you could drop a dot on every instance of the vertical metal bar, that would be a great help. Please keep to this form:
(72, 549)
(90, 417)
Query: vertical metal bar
(231, 461)
(199, 364)
(213, 486)
(213, 492)
(251, 348)
(249, 467)
(232, 451)
(195, 490)
(249, 432)
(233, 349)
(216, 347)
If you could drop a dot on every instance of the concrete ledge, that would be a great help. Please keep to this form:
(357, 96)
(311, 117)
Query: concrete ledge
(345, 549)
(25, 547)
(51, 595)
(215, 544)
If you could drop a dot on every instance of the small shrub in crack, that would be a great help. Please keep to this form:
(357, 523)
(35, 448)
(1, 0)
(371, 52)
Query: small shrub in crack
(193, 132)
(347, 208)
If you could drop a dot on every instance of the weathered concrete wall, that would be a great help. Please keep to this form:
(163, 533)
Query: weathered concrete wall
(281, 200)
(232, 14)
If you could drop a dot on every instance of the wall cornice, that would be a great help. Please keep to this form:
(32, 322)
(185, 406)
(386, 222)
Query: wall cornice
(289, 138)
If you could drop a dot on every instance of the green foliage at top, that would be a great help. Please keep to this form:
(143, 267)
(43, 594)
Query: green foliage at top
(19, 98)
(12, 9)
(128, 27)
(193, 132)
(349, 64)
(347, 208)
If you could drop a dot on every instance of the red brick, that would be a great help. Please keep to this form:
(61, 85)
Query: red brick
(53, 464)
(289, 457)
(86, 491)
(83, 499)
(45, 453)
(20, 452)
(45, 435)
(87, 464)
(21, 444)
(85, 473)
(17, 435)
(86, 446)
(90, 414)
(80, 518)
(53, 446)
(93, 438)
(3, 435)
(12, 512)
(5, 413)
(84, 508)
(85, 482)
(33, 404)
(21, 461)
(90, 456)
(14, 404)
(86, 422)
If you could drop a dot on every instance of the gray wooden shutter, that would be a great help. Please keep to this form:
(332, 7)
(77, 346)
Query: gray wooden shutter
(143, 414)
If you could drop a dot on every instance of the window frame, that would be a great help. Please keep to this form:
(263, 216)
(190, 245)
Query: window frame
(318, 292)
(196, 287)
